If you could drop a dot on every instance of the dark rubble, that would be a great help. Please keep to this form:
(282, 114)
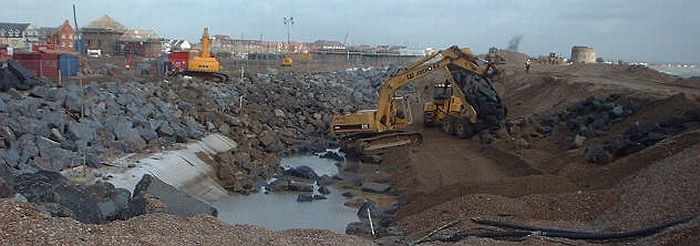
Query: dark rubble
(46, 127)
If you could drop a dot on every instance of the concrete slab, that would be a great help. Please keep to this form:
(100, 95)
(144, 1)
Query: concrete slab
(182, 168)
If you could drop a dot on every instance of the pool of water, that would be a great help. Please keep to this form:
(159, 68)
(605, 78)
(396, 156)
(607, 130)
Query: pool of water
(281, 211)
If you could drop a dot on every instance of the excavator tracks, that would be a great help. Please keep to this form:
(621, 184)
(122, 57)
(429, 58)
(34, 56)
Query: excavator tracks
(365, 144)
(208, 76)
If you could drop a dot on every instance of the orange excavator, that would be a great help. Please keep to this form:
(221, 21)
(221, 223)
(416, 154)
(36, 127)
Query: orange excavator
(203, 65)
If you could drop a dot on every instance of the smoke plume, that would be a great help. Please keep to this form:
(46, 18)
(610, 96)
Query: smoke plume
(513, 43)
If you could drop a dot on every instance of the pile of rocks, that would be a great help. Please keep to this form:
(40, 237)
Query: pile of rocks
(642, 135)
(588, 118)
(306, 178)
(100, 202)
(594, 118)
(50, 127)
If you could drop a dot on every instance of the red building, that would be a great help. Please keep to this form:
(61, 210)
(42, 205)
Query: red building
(65, 36)
(62, 38)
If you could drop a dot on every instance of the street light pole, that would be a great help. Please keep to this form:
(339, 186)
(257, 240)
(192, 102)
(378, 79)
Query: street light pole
(288, 22)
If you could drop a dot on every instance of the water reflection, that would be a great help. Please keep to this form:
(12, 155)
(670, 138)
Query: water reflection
(281, 211)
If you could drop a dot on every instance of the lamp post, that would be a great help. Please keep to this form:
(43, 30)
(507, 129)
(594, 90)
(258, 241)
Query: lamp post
(288, 22)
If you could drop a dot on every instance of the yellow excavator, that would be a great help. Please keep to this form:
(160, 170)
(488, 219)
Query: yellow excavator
(287, 61)
(204, 65)
(464, 103)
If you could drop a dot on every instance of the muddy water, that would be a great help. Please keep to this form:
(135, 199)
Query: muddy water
(281, 211)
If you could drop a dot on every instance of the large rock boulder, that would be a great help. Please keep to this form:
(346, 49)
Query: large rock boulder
(278, 185)
(152, 195)
(52, 187)
(304, 198)
(301, 187)
(7, 181)
(305, 172)
(39, 186)
(111, 201)
(359, 228)
(17, 77)
(375, 187)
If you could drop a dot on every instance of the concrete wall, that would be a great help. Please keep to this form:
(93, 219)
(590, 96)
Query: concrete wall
(183, 169)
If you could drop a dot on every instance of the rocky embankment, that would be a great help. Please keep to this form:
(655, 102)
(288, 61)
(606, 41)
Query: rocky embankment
(46, 128)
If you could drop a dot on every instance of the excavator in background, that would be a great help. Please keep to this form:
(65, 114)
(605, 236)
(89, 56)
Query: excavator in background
(290, 58)
(202, 65)
(464, 103)
(494, 56)
(287, 61)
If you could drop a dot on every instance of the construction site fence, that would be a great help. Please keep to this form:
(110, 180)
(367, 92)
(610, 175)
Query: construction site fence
(320, 61)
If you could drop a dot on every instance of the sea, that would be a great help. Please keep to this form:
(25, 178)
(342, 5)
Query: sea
(680, 70)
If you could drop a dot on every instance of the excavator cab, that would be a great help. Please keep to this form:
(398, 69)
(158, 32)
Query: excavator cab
(442, 95)
(448, 109)
(401, 108)
(442, 90)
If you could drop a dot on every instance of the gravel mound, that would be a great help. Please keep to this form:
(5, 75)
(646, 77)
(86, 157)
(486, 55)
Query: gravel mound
(21, 224)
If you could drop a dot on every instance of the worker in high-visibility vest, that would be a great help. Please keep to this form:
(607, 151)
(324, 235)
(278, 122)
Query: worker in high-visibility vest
(527, 65)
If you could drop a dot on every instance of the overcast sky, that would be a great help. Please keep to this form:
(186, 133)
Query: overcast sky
(631, 30)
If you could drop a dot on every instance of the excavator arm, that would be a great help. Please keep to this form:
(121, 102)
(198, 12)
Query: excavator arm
(452, 56)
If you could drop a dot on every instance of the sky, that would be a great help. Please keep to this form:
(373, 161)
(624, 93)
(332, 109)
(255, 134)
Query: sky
(628, 30)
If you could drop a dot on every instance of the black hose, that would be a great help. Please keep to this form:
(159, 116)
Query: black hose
(484, 234)
(524, 231)
(549, 232)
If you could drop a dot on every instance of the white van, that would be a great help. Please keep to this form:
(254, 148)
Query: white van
(94, 53)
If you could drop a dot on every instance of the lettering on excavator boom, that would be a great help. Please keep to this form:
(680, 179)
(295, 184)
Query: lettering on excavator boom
(421, 71)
